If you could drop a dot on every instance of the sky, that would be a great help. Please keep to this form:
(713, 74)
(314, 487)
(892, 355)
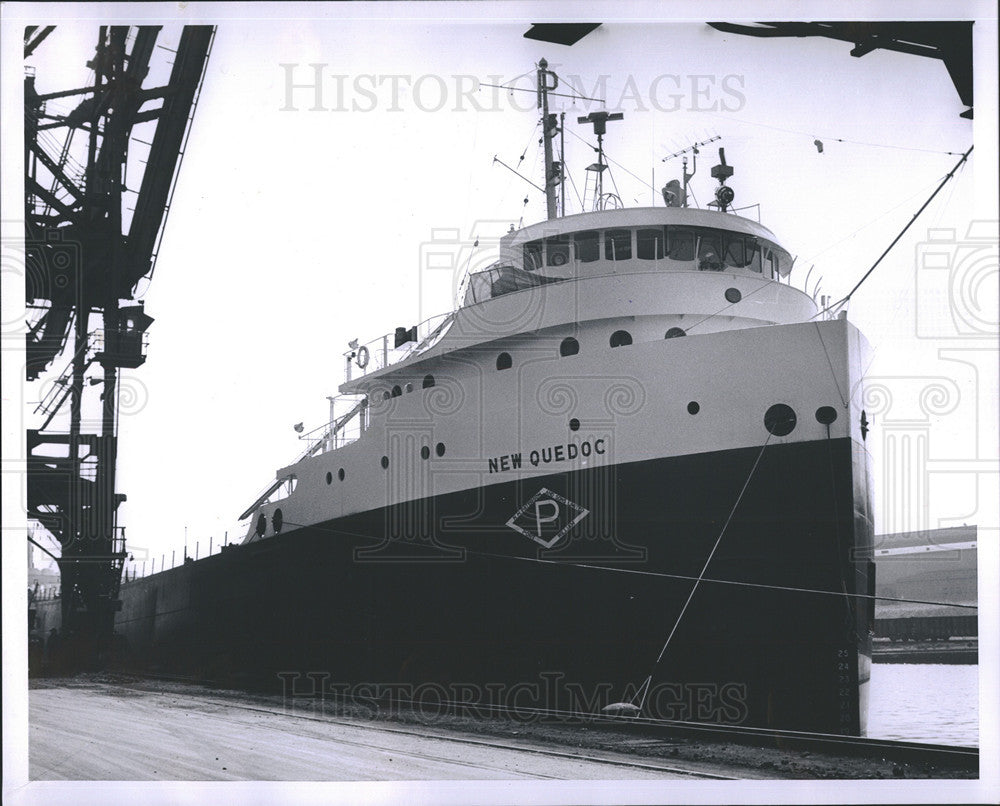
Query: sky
(294, 229)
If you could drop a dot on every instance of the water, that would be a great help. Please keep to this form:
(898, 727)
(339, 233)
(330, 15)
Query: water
(934, 703)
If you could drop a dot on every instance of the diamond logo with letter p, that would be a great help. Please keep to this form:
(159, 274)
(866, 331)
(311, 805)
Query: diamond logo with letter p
(547, 517)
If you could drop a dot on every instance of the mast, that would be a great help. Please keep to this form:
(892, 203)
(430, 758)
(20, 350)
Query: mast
(600, 121)
(553, 170)
(562, 158)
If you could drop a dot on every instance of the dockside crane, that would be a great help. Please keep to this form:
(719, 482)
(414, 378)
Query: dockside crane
(84, 256)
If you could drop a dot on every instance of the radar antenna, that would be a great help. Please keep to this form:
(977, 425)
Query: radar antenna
(600, 122)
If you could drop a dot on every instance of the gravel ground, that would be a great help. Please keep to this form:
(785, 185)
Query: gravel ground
(711, 758)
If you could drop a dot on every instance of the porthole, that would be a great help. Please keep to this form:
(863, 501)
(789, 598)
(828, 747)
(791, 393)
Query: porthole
(779, 420)
(621, 338)
(569, 346)
(277, 521)
(329, 477)
(439, 449)
(693, 407)
(341, 474)
(261, 524)
(733, 295)
(826, 415)
(408, 388)
(504, 361)
(425, 452)
(386, 395)
(396, 391)
(428, 381)
(674, 332)
(385, 462)
(574, 424)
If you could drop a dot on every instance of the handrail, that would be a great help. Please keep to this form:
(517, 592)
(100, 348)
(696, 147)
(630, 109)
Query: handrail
(327, 439)
(330, 434)
(379, 355)
(262, 498)
(376, 354)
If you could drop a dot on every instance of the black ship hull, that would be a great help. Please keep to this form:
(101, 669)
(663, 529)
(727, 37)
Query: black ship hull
(446, 599)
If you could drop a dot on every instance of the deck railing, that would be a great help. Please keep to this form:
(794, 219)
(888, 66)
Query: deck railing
(383, 352)
(348, 420)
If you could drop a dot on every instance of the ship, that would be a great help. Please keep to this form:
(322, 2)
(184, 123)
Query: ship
(627, 472)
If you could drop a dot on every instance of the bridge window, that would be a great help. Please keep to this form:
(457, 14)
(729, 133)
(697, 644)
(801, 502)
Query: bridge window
(504, 361)
(621, 338)
(650, 244)
(396, 391)
(775, 260)
(710, 251)
(428, 381)
(753, 255)
(557, 251)
(735, 251)
(587, 246)
(533, 255)
(618, 244)
(500, 280)
(569, 346)
(681, 244)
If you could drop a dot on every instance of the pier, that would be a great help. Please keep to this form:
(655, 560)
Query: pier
(116, 727)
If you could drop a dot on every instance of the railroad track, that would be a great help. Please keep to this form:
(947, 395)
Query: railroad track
(940, 756)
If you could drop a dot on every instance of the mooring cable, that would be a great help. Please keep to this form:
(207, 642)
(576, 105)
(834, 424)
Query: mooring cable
(701, 576)
(636, 571)
(867, 274)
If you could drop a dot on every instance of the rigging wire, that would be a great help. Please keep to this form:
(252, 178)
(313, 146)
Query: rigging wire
(764, 284)
(576, 190)
(531, 138)
(839, 139)
(945, 204)
(611, 176)
(520, 160)
(901, 300)
(896, 240)
(586, 143)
